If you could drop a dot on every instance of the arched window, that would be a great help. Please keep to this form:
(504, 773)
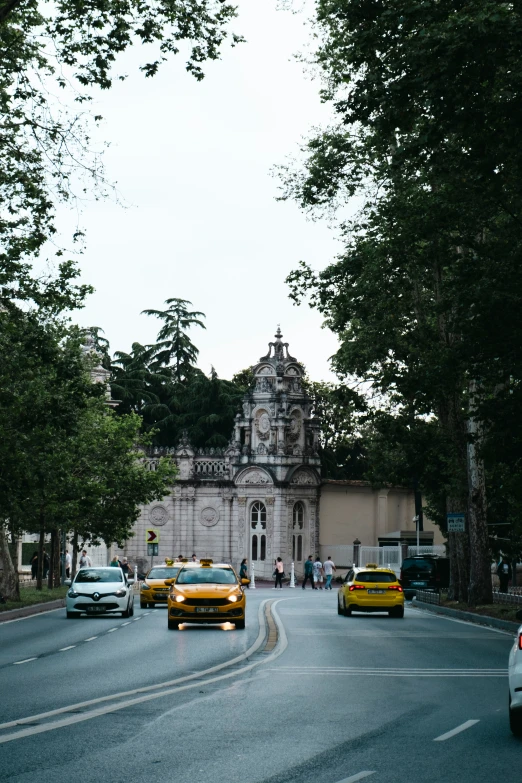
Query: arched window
(262, 555)
(258, 515)
(298, 515)
(254, 547)
(297, 548)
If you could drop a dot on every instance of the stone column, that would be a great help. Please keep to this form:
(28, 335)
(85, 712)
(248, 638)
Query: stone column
(269, 501)
(314, 543)
(243, 550)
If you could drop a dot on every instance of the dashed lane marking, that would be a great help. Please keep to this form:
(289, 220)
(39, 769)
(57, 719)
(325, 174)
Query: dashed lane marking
(358, 776)
(63, 649)
(111, 630)
(90, 639)
(125, 624)
(449, 734)
(26, 660)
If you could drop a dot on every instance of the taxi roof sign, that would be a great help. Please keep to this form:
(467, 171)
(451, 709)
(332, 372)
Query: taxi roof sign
(207, 561)
(371, 565)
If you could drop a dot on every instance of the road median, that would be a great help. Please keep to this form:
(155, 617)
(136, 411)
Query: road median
(28, 611)
(469, 617)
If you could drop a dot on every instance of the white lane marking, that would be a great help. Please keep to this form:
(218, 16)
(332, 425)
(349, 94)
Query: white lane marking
(360, 672)
(358, 776)
(26, 660)
(90, 639)
(111, 630)
(136, 619)
(125, 624)
(108, 708)
(63, 649)
(435, 616)
(457, 730)
(30, 616)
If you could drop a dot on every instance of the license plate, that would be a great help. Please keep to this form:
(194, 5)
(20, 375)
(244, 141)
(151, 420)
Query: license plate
(373, 592)
(206, 609)
(160, 595)
(419, 584)
(95, 608)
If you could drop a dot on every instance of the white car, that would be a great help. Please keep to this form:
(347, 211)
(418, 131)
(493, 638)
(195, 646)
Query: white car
(515, 685)
(100, 591)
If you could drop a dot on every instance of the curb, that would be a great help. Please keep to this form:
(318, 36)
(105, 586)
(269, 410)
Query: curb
(27, 611)
(470, 617)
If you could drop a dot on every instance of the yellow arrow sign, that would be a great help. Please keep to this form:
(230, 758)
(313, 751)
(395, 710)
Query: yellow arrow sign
(152, 536)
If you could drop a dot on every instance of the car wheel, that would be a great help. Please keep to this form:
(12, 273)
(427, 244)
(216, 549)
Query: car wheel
(71, 615)
(127, 612)
(173, 625)
(398, 611)
(347, 610)
(339, 610)
(131, 610)
(143, 606)
(240, 624)
(515, 720)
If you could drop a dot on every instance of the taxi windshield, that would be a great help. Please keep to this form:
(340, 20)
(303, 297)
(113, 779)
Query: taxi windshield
(375, 576)
(205, 576)
(163, 573)
(99, 575)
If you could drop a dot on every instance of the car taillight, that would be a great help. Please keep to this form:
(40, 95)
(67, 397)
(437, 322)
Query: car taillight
(520, 641)
(395, 587)
(356, 587)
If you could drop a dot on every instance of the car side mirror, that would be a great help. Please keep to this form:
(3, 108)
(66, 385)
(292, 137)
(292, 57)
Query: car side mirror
(67, 581)
(245, 581)
(130, 581)
(169, 581)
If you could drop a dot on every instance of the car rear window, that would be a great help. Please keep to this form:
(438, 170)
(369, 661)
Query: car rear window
(163, 573)
(216, 576)
(99, 575)
(418, 565)
(375, 576)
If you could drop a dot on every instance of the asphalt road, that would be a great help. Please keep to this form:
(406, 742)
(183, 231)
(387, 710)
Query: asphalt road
(417, 700)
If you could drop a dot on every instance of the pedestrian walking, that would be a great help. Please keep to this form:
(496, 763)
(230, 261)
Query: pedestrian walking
(68, 563)
(34, 565)
(309, 572)
(125, 567)
(279, 572)
(504, 574)
(318, 573)
(115, 563)
(85, 560)
(243, 569)
(45, 564)
(329, 568)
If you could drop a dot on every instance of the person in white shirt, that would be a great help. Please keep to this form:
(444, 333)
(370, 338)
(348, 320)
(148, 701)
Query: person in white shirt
(85, 560)
(67, 564)
(329, 568)
(318, 574)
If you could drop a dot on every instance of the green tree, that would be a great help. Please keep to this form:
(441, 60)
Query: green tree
(174, 348)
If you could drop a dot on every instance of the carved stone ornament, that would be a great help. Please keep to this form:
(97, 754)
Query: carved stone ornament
(159, 515)
(270, 501)
(303, 477)
(295, 426)
(263, 425)
(254, 477)
(241, 501)
(209, 516)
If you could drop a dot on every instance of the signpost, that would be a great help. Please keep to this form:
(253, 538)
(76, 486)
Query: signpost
(456, 523)
(152, 537)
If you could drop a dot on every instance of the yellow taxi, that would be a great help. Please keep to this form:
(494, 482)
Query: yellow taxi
(156, 585)
(207, 592)
(371, 589)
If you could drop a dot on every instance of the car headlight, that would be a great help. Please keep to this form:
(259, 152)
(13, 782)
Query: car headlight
(120, 593)
(145, 586)
(235, 597)
(72, 593)
(180, 598)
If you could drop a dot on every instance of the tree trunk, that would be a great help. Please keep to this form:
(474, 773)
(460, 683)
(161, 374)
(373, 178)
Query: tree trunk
(74, 558)
(54, 571)
(41, 541)
(480, 587)
(9, 584)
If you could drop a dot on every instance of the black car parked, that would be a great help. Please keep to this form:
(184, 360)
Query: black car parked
(424, 572)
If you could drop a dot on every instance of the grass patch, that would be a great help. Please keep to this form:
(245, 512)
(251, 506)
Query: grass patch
(499, 611)
(30, 596)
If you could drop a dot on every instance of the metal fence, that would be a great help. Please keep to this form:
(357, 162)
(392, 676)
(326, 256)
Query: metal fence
(427, 597)
(341, 555)
(437, 549)
(507, 598)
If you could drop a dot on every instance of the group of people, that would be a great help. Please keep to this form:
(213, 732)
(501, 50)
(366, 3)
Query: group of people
(314, 571)
(46, 564)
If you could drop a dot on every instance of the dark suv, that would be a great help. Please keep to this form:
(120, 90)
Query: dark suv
(424, 572)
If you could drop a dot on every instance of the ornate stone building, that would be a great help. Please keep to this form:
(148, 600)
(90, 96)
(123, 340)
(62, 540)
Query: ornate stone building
(259, 497)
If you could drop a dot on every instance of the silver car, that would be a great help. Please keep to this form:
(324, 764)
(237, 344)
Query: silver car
(100, 591)
(515, 685)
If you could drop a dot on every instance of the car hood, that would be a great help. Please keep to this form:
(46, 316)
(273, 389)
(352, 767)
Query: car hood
(88, 588)
(209, 589)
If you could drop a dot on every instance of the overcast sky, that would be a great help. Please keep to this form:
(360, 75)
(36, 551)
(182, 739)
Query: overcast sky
(192, 161)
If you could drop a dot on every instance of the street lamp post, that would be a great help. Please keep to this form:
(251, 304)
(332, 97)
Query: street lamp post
(356, 551)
